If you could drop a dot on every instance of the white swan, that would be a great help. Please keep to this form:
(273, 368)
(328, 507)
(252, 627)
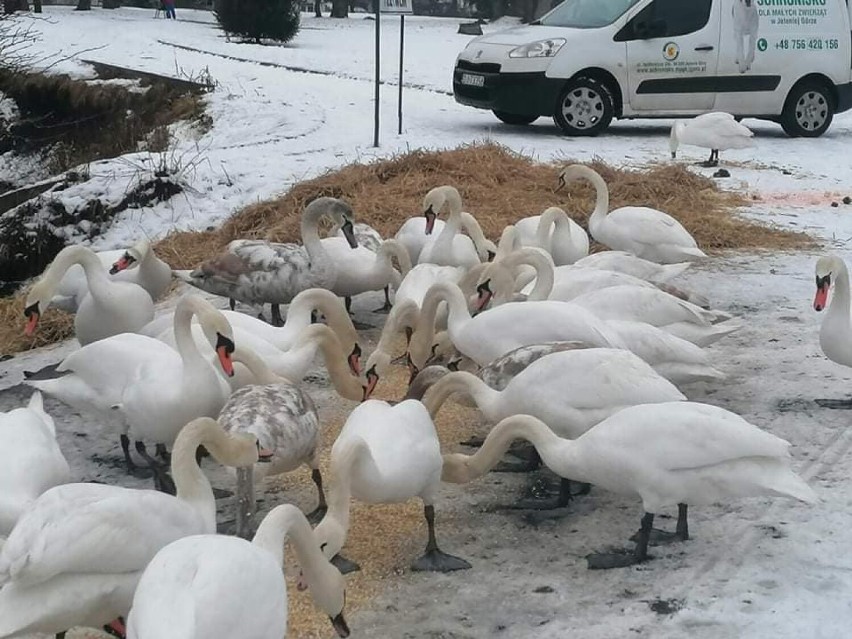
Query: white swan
(108, 309)
(285, 421)
(624, 262)
(76, 554)
(30, 460)
(679, 453)
(360, 270)
(299, 317)
(218, 587)
(260, 272)
(449, 247)
(644, 232)
(835, 334)
(138, 265)
(138, 383)
(555, 232)
(384, 455)
(487, 336)
(717, 131)
(657, 308)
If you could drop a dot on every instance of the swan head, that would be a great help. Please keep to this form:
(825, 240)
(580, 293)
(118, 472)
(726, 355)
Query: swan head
(488, 251)
(132, 257)
(230, 449)
(339, 212)
(496, 283)
(217, 329)
(38, 299)
(435, 201)
(827, 268)
(330, 536)
(424, 381)
(354, 360)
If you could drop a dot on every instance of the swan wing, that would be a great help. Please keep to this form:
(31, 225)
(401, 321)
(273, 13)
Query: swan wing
(686, 435)
(85, 528)
(649, 226)
(643, 304)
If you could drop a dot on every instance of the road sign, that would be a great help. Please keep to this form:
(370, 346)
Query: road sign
(396, 6)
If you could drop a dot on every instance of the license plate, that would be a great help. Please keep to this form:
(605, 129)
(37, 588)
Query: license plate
(471, 79)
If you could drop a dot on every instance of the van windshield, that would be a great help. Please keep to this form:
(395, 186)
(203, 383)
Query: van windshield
(587, 14)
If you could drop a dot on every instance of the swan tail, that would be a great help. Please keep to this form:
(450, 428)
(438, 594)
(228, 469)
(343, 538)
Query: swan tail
(706, 335)
(692, 254)
(789, 484)
(680, 373)
(670, 271)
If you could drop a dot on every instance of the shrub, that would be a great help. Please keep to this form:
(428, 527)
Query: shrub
(259, 19)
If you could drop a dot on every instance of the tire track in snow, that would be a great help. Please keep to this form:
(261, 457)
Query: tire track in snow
(296, 69)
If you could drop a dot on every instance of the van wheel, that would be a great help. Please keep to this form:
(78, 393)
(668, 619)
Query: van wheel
(514, 118)
(809, 110)
(584, 107)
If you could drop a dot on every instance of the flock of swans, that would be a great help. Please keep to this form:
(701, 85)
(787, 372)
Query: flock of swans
(583, 356)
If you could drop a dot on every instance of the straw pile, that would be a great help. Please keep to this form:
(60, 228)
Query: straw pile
(498, 187)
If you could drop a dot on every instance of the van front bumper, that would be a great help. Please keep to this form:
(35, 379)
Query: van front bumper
(519, 93)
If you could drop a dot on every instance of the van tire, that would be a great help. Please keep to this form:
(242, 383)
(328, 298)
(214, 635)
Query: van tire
(808, 110)
(514, 118)
(585, 107)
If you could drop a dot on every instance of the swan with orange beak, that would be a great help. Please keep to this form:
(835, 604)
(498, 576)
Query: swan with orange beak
(835, 334)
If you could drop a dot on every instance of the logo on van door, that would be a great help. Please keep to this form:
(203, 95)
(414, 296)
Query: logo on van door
(671, 51)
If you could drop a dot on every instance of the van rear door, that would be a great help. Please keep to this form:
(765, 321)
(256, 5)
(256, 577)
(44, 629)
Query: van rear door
(672, 55)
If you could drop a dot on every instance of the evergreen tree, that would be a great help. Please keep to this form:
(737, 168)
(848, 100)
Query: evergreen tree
(259, 19)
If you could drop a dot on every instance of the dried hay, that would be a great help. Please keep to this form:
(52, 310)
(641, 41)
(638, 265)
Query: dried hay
(499, 187)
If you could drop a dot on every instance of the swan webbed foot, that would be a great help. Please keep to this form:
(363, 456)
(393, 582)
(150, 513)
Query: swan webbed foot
(221, 493)
(835, 404)
(387, 306)
(361, 326)
(344, 565)
(436, 560)
(616, 559)
(162, 480)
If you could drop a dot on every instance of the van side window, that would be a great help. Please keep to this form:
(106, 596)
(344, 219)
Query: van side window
(666, 19)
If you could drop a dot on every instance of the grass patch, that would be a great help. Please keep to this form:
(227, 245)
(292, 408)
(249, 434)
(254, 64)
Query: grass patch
(498, 187)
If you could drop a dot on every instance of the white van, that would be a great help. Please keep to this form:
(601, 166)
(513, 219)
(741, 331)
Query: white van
(588, 61)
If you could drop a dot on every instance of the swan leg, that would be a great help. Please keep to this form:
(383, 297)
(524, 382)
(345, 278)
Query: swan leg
(60, 635)
(348, 302)
(319, 512)
(162, 480)
(434, 559)
(125, 448)
(232, 303)
(662, 537)
(276, 315)
(387, 305)
(162, 453)
(835, 404)
(344, 565)
(246, 503)
(604, 561)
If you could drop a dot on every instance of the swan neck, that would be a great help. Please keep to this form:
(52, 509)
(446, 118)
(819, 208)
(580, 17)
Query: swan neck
(340, 484)
(461, 383)
(459, 314)
(544, 230)
(96, 276)
(258, 368)
(544, 273)
(186, 309)
(840, 303)
(192, 484)
(601, 197)
(346, 384)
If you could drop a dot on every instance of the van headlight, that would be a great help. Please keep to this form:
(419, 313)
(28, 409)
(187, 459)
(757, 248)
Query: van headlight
(540, 49)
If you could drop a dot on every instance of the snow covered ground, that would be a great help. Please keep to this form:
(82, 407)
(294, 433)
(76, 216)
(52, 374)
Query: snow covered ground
(753, 569)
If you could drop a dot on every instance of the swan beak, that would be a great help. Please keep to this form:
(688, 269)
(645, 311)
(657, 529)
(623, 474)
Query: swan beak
(430, 220)
(224, 348)
(349, 233)
(355, 361)
(340, 625)
(122, 263)
(372, 380)
(264, 455)
(32, 314)
(821, 298)
(674, 155)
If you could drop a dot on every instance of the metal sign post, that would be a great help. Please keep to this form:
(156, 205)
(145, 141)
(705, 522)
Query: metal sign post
(400, 7)
(378, 74)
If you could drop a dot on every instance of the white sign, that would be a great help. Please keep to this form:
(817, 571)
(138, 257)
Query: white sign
(396, 6)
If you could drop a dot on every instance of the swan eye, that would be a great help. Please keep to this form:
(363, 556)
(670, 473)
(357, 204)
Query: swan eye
(323, 545)
(224, 342)
(484, 288)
